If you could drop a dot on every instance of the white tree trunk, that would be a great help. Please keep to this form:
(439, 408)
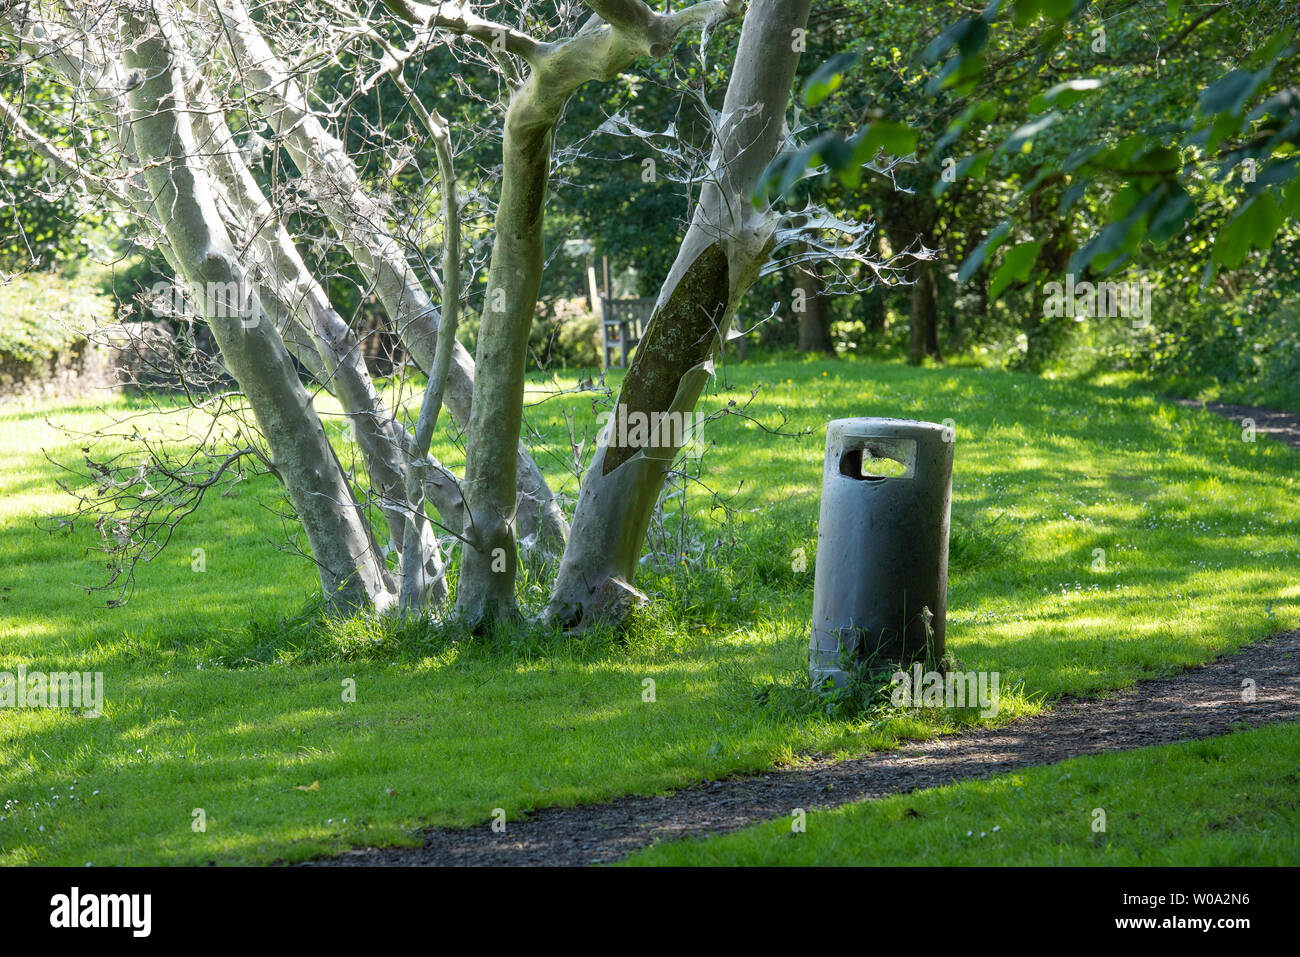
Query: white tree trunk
(321, 339)
(351, 570)
(599, 51)
(727, 244)
(362, 224)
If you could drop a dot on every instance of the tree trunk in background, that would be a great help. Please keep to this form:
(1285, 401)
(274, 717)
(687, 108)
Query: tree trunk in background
(924, 340)
(1046, 336)
(726, 245)
(783, 330)
(909, 218)
(742, 347)
(815, 319)
(948, 303)
(875, 302)
(875, 312)
(931, 313)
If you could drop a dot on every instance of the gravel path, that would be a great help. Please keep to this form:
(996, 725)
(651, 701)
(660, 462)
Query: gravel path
(1283, 426)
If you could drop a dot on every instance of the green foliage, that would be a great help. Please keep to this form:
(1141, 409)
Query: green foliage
(43, 314)
(1016, 266)
(1152, 167)
(827, 78)
(1237, 343)
(1064, 95)
(1109, 140)
(566, 341)
(41, 218)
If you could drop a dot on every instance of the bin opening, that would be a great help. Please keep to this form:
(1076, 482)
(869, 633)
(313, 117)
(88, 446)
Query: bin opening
(879, 459)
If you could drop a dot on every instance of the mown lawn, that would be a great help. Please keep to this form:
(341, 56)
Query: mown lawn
(1228, 801)
(222, 694)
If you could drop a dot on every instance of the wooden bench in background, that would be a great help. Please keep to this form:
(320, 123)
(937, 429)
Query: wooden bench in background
(623, 324)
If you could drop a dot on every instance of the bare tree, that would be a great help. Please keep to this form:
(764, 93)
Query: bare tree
(209, 124)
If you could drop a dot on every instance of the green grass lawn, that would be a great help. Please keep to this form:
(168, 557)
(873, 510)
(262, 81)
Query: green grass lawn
(223, 695)
(1233, 800)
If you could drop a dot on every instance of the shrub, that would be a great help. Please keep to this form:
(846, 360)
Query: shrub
(44, 318)
(565, 336)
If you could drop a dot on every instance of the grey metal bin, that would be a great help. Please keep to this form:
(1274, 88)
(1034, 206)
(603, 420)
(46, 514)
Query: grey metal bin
(880, 589)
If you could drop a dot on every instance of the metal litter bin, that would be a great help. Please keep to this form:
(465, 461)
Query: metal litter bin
(880, 590)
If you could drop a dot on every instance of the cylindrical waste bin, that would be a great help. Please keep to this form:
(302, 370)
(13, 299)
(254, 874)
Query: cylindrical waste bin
(880, 589)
